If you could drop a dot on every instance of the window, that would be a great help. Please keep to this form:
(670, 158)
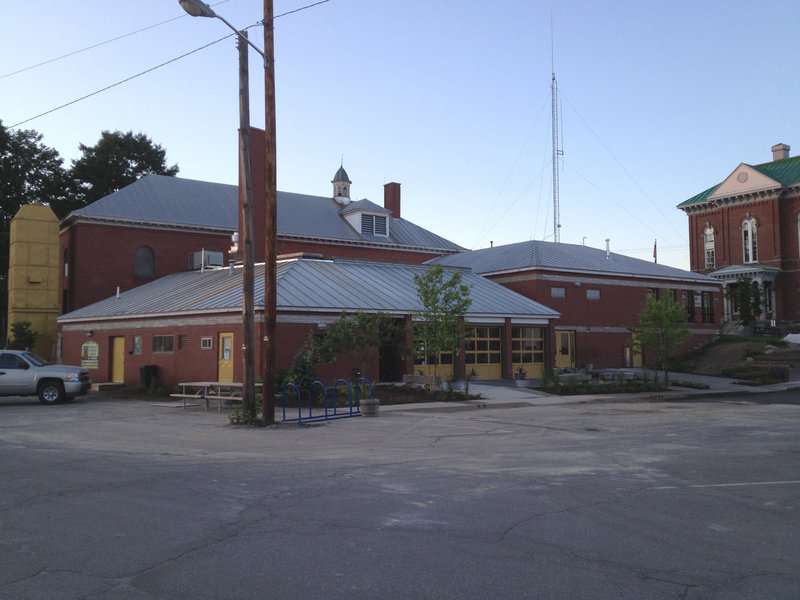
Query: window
(12, 361)
(483, 346)
(137, 344)
(593, 294)
(708, 309)
(689, 304)
(708, 244)
(183, 341)
(373, 225)
(749, 241)
(527, 345)
(163, 343)
(66, 263)
(144, 262)
(558, 292)
(206, 343)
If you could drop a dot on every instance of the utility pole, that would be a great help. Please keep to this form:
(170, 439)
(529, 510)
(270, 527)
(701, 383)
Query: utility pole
(271, 218)
(247, 234)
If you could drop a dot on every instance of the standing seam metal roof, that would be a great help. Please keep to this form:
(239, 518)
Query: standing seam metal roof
(535, 254)
(306, 285)
(163, 200)
(785, 171)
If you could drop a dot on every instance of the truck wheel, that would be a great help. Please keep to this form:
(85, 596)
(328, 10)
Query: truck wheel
(51, 392)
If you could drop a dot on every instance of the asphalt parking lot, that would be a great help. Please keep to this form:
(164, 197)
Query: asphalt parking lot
(124, 499)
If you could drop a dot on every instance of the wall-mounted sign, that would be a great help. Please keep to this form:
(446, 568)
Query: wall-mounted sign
(90, 353)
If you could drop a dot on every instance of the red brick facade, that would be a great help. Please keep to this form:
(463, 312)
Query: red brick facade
(768, 196)
(599, 309)
(98, 258)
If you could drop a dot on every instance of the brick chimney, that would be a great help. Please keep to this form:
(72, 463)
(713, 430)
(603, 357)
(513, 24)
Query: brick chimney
(391, 198)
(780, 151)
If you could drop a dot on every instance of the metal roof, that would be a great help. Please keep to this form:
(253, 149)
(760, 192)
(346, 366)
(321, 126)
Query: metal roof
(304, 285)
(536, 254)
(785, 172)
(161, 200)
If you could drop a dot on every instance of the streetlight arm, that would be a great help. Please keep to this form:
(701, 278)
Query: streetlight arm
(198, 8)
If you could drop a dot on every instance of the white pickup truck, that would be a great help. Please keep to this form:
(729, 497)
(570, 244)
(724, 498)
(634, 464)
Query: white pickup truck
(23, 373)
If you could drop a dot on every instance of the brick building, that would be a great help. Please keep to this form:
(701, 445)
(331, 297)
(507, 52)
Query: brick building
(189, 325)
(598, 293)
(161, 225)
(748, 226)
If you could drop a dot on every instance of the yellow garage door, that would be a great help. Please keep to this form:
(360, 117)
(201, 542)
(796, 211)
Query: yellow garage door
(484, 352)
(527, 350)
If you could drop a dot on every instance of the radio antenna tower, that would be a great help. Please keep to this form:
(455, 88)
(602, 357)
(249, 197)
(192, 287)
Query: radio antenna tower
(556, 150)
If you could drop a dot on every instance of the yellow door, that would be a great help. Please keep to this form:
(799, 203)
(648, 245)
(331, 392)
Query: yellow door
(484, 352)
(527, 350)
(565, 349)
(118, 359)
(225, 357)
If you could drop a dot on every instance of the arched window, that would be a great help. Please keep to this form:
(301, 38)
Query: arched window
(708, 244)
(749, 241)
(144, 262)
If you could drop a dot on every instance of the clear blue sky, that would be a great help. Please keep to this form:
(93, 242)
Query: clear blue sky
(659, 101)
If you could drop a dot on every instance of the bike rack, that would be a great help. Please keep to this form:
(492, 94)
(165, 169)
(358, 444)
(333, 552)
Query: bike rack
(353, 409)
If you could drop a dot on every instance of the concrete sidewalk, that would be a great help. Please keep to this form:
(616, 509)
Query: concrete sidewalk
(502, 393)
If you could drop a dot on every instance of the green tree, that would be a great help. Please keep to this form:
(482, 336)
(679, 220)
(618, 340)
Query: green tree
(361, 335)
(22, 338)
(662, 328)
(117, 160)
(444, 303)
(745, 295)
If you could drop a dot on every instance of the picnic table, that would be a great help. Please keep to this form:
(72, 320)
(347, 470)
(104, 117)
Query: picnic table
(226, 392)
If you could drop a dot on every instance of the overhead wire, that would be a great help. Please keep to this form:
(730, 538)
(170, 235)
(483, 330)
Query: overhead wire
(98, 44)
(113, 85)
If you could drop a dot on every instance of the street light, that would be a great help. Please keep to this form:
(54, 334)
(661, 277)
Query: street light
(198, 8)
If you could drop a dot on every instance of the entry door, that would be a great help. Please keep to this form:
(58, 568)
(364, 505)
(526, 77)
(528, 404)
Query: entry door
(225, 357)
(118, 359)
(565, 349)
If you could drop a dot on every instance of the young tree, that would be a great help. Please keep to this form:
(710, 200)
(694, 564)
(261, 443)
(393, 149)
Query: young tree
(444, 302)
(745, 295)
(117, 160)
(22, 338)
(361, 335)
(662, 328)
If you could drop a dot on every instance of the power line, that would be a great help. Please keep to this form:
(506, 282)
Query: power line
(97, 45)
(52, 110)
(108, 87)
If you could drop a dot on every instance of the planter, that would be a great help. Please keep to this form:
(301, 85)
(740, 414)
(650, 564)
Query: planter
(369, 407)
(473, 378)
(521, 383)
(457, 386)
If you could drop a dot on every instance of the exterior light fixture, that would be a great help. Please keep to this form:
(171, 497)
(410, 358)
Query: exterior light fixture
(197, 8)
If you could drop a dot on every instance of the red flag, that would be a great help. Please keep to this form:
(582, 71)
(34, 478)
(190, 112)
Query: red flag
(655, 251)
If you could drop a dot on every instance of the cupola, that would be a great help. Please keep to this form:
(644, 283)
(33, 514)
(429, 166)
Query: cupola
(341, 186)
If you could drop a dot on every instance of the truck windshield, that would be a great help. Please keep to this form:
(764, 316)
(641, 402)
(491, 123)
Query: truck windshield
(35, 360)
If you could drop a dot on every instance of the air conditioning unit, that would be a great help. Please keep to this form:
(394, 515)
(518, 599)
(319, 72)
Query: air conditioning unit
(204, 258)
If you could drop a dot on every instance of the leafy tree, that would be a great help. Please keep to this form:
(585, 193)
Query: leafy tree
(117, 160)
(745, 295)
(662, 328)
(22, 338)
(444, 303)
(361, 335)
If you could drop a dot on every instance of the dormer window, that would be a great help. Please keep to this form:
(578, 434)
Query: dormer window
(373, 224)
